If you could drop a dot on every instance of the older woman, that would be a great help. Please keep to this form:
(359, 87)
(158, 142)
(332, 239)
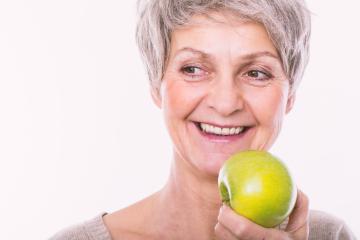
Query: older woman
(224, 73)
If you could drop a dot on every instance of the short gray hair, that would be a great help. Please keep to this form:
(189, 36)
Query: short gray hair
(286, 21)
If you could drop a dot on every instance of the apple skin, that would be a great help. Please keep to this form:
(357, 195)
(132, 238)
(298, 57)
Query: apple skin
(258, 186)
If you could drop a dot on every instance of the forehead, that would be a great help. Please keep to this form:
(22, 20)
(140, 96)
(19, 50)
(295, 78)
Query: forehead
(219, 32)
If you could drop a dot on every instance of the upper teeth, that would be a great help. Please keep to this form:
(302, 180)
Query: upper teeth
(220, 131)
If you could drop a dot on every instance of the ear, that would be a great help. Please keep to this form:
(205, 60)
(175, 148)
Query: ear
(156, 97)
(290, 102)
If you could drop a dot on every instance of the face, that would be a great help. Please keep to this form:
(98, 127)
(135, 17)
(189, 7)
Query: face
(223, 91)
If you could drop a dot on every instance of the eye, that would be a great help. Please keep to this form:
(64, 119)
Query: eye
(193, 73)
(258, 75)
(192, 70)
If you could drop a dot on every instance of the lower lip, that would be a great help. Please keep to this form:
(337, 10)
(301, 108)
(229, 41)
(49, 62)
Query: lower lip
(222, 138)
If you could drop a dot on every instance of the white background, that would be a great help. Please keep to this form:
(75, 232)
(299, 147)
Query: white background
(79, 134)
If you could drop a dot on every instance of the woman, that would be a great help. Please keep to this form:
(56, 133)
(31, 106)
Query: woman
(225, 74)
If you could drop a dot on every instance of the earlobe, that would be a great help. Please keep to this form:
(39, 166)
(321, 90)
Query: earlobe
(290, 102)
(155, 95)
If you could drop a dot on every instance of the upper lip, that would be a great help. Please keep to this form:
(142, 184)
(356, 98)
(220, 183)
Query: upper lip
(223, 125)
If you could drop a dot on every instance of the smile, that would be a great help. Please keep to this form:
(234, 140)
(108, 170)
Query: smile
(221, 131)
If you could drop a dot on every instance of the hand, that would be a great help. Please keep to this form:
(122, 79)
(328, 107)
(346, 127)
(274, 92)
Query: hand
(232, 226)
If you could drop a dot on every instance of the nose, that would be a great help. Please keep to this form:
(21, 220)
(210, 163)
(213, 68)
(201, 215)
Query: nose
(225, 97)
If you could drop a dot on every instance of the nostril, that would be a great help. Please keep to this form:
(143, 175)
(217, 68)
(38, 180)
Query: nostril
(226, 102)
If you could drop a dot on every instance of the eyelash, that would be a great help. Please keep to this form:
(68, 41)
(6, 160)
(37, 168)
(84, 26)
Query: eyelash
(186, 70)
(267, 75)
(190, 69)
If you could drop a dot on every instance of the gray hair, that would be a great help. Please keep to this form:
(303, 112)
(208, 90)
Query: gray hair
(286, 21)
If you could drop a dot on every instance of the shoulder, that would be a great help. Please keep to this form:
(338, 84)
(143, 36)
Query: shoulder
(329, 227)
(88, 230)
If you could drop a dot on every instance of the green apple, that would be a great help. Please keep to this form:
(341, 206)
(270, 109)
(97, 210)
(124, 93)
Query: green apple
(258, 186)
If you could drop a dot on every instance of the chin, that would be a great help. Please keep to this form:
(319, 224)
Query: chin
(211, 165)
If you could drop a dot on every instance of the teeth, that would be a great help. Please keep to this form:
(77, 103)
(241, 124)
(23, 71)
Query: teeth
(220, 131)
(225, 131)
(217, 130)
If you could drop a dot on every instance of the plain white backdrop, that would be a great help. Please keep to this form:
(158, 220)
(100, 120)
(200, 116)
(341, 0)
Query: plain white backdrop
(79, 134)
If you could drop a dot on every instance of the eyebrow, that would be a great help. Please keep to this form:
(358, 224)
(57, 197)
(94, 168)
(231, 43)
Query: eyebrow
(248, 57)
(199, 53)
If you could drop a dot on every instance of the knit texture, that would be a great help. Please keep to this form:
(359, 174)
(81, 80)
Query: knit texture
(93, 229)
(322, 227)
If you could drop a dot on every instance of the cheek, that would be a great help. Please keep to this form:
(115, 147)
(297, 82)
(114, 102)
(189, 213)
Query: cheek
(269, 106)
(180, 99)
(268, 109)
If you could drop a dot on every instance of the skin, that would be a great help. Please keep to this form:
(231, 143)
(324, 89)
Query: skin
(223, 71)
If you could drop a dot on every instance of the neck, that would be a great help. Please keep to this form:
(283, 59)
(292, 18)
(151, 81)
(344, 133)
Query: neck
(192, 202)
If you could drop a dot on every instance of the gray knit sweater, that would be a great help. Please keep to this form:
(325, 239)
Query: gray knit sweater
(322, 227)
